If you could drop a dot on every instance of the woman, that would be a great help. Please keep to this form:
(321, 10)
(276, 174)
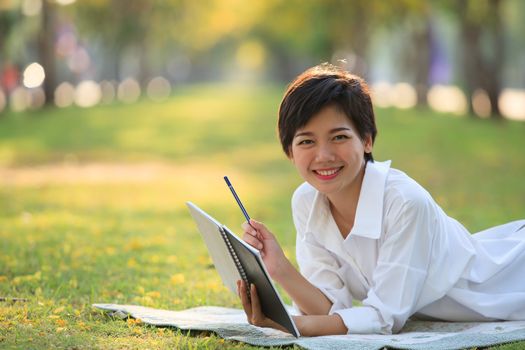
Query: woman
(369, 232)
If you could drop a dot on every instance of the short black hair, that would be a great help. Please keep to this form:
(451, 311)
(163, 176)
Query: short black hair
(321, 86)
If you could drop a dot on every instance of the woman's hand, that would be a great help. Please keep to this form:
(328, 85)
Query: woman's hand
(312, 325)
(259, 237)
(252, 307)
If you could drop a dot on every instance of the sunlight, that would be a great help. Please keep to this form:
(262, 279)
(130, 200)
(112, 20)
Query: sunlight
(31, 8)
(19, 100)
(481, 103)
(403, 96)
(158, 89)
(87, 94)
(447, 99)
(381, 94)
(128, 90)
(251, 55)
(64, 95)
(512, 104)
(34, 75)
(399, 95)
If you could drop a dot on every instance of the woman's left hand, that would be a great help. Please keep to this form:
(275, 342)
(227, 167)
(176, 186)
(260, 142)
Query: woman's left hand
(252, 307)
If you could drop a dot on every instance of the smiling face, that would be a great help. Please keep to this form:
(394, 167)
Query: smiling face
(329, 154)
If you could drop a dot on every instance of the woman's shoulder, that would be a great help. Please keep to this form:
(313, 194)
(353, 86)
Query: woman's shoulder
(303, 194)
(401, 189)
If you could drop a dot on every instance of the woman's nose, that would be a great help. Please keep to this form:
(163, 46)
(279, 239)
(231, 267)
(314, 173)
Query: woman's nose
(325, 153)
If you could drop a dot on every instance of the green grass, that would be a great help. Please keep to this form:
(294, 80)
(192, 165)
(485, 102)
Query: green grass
(92, 203)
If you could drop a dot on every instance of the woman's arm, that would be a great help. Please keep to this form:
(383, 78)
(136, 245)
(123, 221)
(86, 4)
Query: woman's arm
(309, 326)
(307, 297)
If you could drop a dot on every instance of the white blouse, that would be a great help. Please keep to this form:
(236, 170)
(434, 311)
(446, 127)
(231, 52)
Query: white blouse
(404, 256)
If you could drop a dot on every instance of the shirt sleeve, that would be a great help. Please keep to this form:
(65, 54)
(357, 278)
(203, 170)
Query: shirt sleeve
(401, 270)
(316, 263)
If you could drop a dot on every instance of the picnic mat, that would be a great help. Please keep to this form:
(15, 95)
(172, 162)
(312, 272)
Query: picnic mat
(231, 324)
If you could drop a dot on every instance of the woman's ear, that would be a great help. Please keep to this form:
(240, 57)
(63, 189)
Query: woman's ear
(368, 144)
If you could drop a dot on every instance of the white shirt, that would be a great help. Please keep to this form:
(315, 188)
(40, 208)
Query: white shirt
(404, 256)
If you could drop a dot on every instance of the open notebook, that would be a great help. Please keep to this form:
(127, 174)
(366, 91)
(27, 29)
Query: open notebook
(234, 259)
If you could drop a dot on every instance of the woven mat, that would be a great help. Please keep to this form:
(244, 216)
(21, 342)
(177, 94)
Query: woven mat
(231, 324)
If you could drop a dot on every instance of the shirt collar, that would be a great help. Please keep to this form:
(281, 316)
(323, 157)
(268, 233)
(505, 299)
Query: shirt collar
(369, 212)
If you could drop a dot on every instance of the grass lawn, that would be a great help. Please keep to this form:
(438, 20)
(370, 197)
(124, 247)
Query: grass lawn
(92, 203)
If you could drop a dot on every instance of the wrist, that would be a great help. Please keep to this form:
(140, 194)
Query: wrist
(284, 270)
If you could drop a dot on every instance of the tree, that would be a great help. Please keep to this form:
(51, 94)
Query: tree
(46, 49)
(482, 49)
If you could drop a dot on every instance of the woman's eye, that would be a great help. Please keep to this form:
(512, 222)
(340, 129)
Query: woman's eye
(305, 142)
(340, 137)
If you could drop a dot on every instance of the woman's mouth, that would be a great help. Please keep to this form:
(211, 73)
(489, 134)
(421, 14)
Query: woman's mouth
(327, 174)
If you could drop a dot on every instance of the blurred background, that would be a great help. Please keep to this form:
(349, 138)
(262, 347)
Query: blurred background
(465, 57)
(114, 113)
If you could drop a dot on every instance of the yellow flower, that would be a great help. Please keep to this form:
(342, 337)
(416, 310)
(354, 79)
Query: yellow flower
(3, 278)
(58, 310)
(132, 262)
(61, 322)
(133, 321)
(153, 294)
(134, 244)
(177, 278)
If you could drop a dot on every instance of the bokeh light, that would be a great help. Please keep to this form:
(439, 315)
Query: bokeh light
(400, 95)
(65, 2)
(64, 95)
(481, 103)
(447, 99)
(19, 100)
(403, 96)
(31, 8)
(251, 55)
(158, 89)
(87, 94)
(107, 88)
(79, 61)
(381, 94)
(3, 100)
(36, 98)
(512, 104)
(34, 75)
(128, 90)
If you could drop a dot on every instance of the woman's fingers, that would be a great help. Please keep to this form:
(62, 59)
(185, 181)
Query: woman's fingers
(254, 242)
(261, 229)
(257, 313)
(246, 304)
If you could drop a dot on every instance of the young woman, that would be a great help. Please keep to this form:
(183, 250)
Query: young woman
(368, 232)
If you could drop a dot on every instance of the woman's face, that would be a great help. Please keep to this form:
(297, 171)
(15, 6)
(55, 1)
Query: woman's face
(328, 152)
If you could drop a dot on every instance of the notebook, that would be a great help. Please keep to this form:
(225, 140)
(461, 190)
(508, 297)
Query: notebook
(234, 259)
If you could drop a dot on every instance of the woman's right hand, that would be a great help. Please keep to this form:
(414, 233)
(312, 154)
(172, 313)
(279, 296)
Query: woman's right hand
(259, 237)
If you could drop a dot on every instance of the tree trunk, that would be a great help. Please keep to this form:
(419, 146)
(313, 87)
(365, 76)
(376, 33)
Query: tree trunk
(46, 50)
(492, 82)
(422, 39)
(482, 70)
(470, 54)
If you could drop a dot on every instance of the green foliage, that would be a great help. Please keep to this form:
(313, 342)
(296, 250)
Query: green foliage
(92, 203)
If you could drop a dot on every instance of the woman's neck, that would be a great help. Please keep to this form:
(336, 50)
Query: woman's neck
(343, 204)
